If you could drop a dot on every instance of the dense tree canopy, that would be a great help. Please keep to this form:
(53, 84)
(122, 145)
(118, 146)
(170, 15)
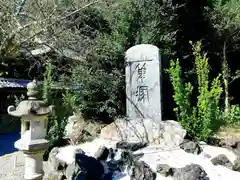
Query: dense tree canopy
(86, 41)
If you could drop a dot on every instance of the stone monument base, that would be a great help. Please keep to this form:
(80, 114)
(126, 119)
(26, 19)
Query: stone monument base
(166, 133)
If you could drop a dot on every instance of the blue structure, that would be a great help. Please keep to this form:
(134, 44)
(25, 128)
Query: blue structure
(21, 83)
(13, 83)
(7, 143)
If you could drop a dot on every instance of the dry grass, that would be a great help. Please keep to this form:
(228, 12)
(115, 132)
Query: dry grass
(229, 131)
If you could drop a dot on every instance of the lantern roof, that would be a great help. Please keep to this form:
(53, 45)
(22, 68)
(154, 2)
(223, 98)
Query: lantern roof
(32, 106)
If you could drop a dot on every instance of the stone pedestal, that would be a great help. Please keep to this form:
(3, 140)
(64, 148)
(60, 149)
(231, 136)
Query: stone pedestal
(33, 151)
(33, 165)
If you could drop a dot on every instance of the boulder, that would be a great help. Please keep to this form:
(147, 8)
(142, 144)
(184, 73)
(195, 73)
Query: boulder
(102, 153)
(142, 171)
(77, 130)
(129, 158)
(131, 146)
(236, 165)
(124, 162)
(112, 153)
(236, 147)
(190, 172)
(165, 170)
(72, 168)
(167, 133)
(55, 175)
(116, 165)
(53, 162)
(190, 147)
(77, 151)
(215, 141)
(71, 171)
(222, 160)
(89, 168)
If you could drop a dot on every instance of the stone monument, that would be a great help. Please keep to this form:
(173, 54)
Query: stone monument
(143, 82)
(34, 118)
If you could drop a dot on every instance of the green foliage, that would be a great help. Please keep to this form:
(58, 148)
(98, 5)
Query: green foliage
(233, 120)
(225, 18)
(202, 119)
(182, 92)
(97, 38)
(18, 99)
(47, 93)
(101, 70)
(63, 107)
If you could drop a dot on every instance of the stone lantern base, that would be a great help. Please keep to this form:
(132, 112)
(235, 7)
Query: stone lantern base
(33, 165)
(33, 151)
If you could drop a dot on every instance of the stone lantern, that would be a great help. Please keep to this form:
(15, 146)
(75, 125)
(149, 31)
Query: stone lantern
(34, 118)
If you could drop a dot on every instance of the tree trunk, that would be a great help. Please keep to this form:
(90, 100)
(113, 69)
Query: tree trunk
(225, 71)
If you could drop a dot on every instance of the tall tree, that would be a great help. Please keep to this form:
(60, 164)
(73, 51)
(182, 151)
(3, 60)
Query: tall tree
(225, 18)
(47, 25)
(101, 74)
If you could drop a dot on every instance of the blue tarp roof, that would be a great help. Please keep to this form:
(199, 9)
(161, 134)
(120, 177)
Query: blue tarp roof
(21, 83)
(13, 83)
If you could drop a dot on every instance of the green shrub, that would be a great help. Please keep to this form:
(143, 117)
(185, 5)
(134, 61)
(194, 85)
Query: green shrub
(202, 119)
(64, 106)
(18, 99)
(101, 70)
(233, 119)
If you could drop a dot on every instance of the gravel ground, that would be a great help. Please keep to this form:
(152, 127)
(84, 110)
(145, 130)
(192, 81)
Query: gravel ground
(12, 166)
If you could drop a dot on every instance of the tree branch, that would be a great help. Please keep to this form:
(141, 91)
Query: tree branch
(21, 7)
(61, 19)
(5, 41)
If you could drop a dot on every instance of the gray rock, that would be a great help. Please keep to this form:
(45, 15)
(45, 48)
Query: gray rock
(129, 158)
(236, 146)
(190, 172)
(78, 150)
(190, 147)
(131, 146)
(236, 165)
(230, 142)
(207, 155)
(202, 143)
(102, 153)
(89, 168)
(112, 153)
(71, 171)
(53, 162)
(222, 160)
(166, 133)
(165, 170)
(55, 175)
(142, 171)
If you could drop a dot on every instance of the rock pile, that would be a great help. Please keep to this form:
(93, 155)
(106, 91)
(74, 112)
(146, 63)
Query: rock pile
(110, 163)
(105, 163)
(121, 159)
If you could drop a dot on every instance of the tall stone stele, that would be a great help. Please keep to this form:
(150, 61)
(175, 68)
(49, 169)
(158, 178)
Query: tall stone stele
(34, 118)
